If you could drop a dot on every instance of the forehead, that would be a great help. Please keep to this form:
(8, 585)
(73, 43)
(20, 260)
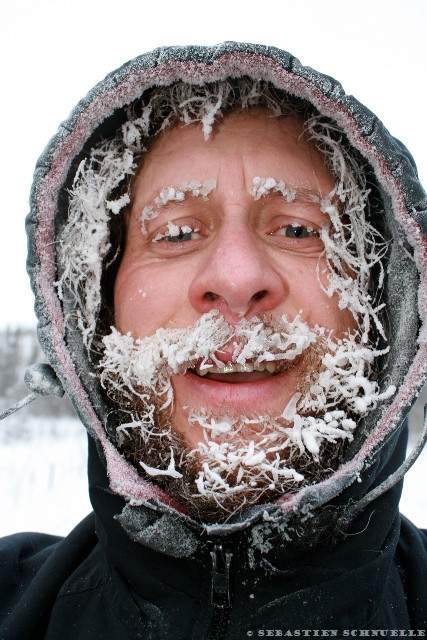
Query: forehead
(242, 145)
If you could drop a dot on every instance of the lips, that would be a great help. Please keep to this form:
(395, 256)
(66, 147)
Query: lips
(237, 378)
(242, 375)
(236, 384)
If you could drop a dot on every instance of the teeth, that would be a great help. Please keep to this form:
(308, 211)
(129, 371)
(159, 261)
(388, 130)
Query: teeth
(234, 367)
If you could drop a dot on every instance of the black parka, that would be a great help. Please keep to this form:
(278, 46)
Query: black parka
(138, 567)
(97, 583)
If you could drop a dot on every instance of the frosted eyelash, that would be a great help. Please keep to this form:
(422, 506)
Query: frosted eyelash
(174, 230)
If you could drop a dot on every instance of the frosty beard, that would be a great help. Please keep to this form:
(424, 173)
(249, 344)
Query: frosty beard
(242, 459)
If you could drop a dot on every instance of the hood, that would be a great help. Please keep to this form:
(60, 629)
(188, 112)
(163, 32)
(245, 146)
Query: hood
(374, 459)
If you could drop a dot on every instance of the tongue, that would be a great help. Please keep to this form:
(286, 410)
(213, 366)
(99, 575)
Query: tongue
(226, 354)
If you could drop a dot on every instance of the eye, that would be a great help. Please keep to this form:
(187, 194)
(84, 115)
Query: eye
(296, 235)
(177, 233)
(297, 231)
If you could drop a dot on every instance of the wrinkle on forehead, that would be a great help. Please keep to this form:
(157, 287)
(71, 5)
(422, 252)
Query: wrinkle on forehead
(243, 133)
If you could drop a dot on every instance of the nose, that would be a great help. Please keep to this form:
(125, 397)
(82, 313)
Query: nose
(237, 277)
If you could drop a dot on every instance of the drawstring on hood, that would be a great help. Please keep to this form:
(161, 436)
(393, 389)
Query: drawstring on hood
(41, 380)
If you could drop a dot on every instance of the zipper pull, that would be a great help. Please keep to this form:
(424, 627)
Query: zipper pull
(220, 593)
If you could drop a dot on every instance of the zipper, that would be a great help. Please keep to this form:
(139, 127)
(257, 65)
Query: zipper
(220, 592)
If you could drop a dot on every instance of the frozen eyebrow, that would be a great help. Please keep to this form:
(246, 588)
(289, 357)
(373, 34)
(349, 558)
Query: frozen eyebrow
(194, 189)
(265, 186)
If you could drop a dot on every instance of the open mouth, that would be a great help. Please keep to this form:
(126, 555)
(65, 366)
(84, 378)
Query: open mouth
(233, 372)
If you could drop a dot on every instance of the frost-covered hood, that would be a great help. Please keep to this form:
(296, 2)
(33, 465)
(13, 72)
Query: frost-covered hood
(378, 449)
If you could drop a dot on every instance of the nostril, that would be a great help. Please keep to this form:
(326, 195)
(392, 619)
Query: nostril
(209, 296)
(259, 295)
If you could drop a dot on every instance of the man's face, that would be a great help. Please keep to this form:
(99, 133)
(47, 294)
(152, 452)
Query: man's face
(242, 255)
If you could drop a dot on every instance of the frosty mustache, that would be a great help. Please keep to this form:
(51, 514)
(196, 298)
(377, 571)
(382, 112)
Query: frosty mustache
(142, 368)
(149, 362)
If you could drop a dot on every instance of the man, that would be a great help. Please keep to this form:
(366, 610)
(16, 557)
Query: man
(228, 256)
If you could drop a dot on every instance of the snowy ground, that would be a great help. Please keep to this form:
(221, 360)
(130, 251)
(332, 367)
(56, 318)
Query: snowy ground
(43, 477)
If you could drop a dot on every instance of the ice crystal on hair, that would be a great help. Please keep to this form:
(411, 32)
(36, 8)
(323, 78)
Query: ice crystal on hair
(170, 471)
(326, 413)
(174, 231)
(264, 186)
(235, 465)
(353, 247)
(231, 461)
(201, 104)
(115, 206)
(286, 341)
(344, 379)
(131, 364)
(84, 241)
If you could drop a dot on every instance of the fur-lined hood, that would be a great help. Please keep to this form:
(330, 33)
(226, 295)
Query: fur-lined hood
(371, 459)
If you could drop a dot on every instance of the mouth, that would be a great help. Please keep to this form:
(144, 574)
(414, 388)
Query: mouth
(233, 372)
(251, 388)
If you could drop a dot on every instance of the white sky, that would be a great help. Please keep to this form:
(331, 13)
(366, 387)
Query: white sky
(53, 51)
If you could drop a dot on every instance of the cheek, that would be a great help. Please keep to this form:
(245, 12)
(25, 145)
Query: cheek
(146, 298)
(135, 301)
(327, 313)
(307, 292)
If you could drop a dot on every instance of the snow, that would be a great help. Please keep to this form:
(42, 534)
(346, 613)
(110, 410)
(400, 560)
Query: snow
(43, 475)
(44, 481)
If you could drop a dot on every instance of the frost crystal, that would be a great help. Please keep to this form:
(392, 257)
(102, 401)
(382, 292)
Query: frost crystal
(327, 412)
(264, 186)
(85, 241)
(142, 363)
(336, 393)
(193, 189)
(170, 471)
(353, 247)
